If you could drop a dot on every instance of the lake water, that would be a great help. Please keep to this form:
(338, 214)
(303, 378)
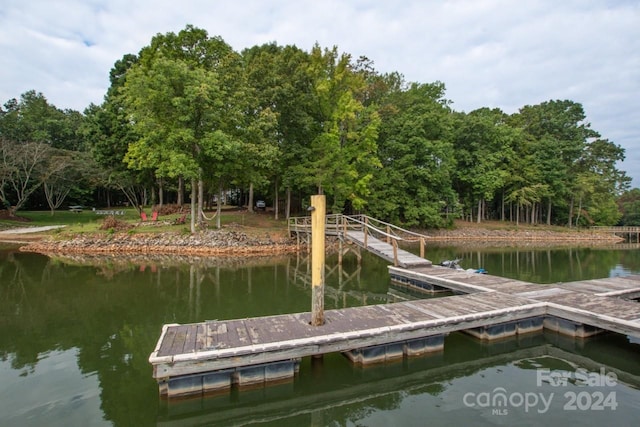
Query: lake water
(76, 334)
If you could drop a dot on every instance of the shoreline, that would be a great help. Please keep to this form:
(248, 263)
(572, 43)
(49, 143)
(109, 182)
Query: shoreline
(234, 242)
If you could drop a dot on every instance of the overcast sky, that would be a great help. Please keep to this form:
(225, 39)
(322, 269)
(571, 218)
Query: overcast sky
(488, 53)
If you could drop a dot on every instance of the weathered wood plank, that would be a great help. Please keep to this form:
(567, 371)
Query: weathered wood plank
(190, 339)
(167, 341)
(547, 292)
(179, 340)
(201, 337)
(386, 251)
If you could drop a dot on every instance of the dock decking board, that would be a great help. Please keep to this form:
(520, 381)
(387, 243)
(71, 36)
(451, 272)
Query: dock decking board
(385, 250)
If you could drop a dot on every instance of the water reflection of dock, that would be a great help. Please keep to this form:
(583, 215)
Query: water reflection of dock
(216, 355)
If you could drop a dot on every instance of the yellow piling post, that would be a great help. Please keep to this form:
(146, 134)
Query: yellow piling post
(318, 210)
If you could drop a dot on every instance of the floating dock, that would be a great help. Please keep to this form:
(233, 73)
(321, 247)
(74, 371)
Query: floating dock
(214, 356)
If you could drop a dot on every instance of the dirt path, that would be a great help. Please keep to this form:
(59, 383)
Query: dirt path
(26, 234)
(25, 230)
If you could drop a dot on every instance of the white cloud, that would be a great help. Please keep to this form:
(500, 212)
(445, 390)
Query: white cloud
(494, 53)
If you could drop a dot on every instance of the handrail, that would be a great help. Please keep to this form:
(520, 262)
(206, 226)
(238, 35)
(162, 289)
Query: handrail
(372, 227)
(393, 226)
(342, 223)
(623, 228)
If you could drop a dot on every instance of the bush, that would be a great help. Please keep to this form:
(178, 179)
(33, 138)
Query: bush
(111, 223)
(167, 209)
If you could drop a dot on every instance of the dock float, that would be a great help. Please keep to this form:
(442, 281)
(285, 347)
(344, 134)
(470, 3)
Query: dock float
(214, 356)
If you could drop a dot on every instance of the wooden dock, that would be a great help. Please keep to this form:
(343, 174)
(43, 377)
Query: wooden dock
(378, 237)
(213, 356)
(386, 250)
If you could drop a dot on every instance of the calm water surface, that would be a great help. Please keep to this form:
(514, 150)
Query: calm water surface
(75, 336)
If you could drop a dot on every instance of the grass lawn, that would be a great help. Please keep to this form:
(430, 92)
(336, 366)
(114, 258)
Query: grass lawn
(89, 221)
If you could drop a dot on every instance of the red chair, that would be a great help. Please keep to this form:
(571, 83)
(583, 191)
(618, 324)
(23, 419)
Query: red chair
(154, 216)
(143, 216)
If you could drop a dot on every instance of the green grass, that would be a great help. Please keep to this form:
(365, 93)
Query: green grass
(72, 218)
(88, 221)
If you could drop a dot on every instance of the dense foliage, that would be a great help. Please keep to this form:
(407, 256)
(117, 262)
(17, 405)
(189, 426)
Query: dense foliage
(189, 112)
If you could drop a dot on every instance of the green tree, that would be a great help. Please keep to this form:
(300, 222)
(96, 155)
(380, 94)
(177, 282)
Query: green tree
(108, 131)
(629, 206)
(186, 99)
(21, 171)
(65, 171)
(33, 119)
(281, 84)
(557, 134)
(341, 158)
(484, 150)
(414, 186)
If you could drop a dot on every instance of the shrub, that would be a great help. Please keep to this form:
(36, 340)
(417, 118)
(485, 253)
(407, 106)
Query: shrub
(167, 209)
(111, 223)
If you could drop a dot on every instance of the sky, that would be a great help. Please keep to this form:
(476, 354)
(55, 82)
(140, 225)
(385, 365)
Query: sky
(488, 53)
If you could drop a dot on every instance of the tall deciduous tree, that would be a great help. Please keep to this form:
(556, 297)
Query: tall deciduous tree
(186, 99)
(109, 131)
(281, 84)
(33, 119)
(557, 134)
(415, 185)
(341, 158)
(484, 151)
(21, 171)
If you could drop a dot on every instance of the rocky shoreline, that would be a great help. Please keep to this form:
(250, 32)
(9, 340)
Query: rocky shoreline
(210, 242)
(232, 242)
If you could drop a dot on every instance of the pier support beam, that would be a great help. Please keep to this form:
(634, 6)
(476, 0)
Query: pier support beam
(570, 328)
(507, 329)
(396, 351)
(318, 209)
(213, 382)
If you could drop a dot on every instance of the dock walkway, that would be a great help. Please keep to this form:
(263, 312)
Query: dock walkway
(378, 237)
(387, 251)
(216, 355)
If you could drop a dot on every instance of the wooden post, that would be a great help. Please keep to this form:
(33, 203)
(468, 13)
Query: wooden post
(395, 252)
(318, 206)
(422, 247)
(366, 229)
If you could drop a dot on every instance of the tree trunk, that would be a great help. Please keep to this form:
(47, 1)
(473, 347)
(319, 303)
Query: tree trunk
(250, 202)
(194, 194)
(288, 208)
(160, 192)
(571, 212)
(579, 210)
(180, 191)
(275, 199)
(549, 212)
(153, 200)
(200, 200)
(479, 220)
(219, 206)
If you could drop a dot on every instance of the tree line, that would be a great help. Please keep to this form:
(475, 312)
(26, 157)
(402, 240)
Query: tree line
(190, 114)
